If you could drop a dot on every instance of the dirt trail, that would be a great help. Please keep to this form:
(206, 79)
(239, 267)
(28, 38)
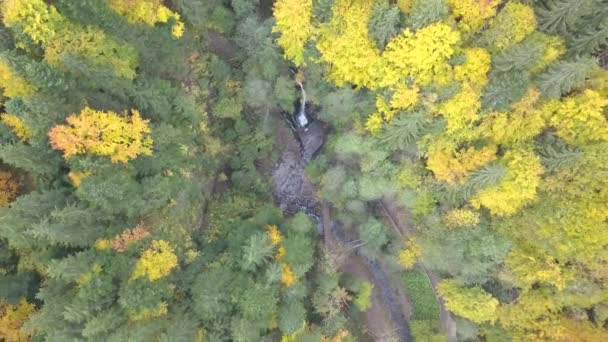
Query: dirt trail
(401, 222)
(377, 318)
(387, 319)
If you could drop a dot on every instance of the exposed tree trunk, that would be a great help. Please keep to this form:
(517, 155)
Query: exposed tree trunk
(326, 220)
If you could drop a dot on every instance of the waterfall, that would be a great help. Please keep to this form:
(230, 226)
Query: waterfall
(301, 118)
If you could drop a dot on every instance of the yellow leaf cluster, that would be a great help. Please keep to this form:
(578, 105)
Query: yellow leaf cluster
(422, 55)
(410, 254)
(293, 23)
(457, 218)
(453, 166)
(474, 71)
(374, 123)
(12, 84)
(9, 188)
(472, 14)
(280, 253)
(404, 98)
(461, 110)
(353, 57)
(77, 177)
(149, 12)
(102, 244)
(580, 194)
(553, 48)
(288, 278)
(598, 81)
(17, 126)
(514, 23)
(533, 317)
(149, 313)
(579, 119)
(156, 262)
(120, 137)
(344, 44)
(519, 125)
(407, 178)
(274, 234)
(96, 47)
(276, 238)
(529, 269)
(38, 20)
(12, 319)
(60, 37)
(471, 303)
(517, 189)
(384, 109)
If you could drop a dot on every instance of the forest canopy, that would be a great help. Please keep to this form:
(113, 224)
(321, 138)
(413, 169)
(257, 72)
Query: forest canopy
(304, 170)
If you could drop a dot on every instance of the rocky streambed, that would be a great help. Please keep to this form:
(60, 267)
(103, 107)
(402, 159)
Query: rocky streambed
(294, 193)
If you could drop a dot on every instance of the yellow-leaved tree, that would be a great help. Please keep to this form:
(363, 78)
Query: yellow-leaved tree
(120, 137)
(12, 84)
(156, 262)
(345, 45)
(472, 14)
(422, 55)
(472, 303)
(410, 254)
(519, 125)
(288, 278)
(60, 37)
(461, 110)
(474, 71)
(37, 19)
(512, 25)
(579, 119)
(453, 165)
(534, 316)
(18, 127)
(525, 267)
(149, 12)
(517, 189)
(458, 218)
(293, 23)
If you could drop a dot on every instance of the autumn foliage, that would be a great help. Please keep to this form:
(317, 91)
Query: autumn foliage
(12, 318)
(122, 241)
(120, 137)
(293, 22)
(60, 37)
(18, 127)
(9, 187)
(148, 12)
(472, 303)
(12, 84)
(155, 262)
